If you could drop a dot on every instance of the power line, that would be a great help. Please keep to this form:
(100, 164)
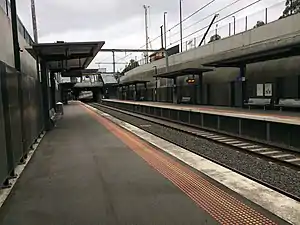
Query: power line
(198, 10)
(231, 4)
(220, 19)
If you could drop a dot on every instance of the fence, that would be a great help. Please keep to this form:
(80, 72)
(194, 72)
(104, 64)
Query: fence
(21, 120)
(5, 5)
(235, 24)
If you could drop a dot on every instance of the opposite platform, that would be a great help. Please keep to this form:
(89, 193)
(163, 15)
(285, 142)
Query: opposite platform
(253, 114)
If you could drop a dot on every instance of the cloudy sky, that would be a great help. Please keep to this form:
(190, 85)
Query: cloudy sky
(121, 23)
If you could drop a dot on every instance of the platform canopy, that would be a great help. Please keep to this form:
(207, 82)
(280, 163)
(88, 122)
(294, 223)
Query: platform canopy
(66, 56)
(248, 56)
(80, 73)
(109, 79)
(133, 82)
(183, 72)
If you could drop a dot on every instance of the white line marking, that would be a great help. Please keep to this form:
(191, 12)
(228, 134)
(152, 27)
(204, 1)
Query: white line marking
(282, 156)
(250, 146)
(4, 193)
(215, 137)
(279, 204)
(233, 142)
(209, 135)
(225, 140)
(293, 160)
(270, 152)
(242, 144)
(260, 149)
(218, 138)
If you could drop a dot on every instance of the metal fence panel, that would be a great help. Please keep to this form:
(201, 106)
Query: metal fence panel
(3, 156)
(15, 113)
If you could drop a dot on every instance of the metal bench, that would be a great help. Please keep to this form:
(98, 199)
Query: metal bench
(264, 102)
(185, 99)
(288, 103)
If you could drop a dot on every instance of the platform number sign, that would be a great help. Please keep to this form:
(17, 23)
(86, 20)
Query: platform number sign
(268, 89)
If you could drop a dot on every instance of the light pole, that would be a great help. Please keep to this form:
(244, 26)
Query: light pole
(234, 24)
(146, 29)
(180, 16)
(165, 29)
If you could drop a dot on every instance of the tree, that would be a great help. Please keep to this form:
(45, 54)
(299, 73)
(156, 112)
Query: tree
(215, 37)
(291, 7)
(259, 24)
(132, 64)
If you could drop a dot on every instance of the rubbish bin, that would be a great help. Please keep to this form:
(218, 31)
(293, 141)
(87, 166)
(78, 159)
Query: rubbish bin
(60, 108)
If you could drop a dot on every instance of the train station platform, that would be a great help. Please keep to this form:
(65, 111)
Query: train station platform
(88, 170)
(271, 126)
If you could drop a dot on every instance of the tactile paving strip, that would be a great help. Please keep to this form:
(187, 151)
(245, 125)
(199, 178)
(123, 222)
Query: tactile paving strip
(223, 207)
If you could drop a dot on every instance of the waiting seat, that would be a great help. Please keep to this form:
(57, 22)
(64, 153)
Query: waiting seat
(260, 102)
(288, 103)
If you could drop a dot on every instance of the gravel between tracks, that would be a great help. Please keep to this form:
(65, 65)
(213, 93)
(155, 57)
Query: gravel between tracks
(276, 175)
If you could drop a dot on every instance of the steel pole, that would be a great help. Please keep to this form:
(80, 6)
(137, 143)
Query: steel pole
(34, 23)
(180, 16)
(234, 24)
(114, 62)
(146, 31)
(15, 35)
(162, 37)
(165, 32)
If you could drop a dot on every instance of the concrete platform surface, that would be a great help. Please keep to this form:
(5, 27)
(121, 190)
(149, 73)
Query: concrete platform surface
(82, 174)
(90, 171)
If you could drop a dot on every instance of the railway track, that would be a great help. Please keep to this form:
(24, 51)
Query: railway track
(281, 156)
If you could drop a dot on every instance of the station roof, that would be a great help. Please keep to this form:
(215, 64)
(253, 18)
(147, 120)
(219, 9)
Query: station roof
(79, 73)
(276, 52)
(134, 82)
(66, 56)
(109, 79)
(183, 72)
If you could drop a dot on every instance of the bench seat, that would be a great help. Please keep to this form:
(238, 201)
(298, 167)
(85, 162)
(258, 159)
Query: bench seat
(264, 102)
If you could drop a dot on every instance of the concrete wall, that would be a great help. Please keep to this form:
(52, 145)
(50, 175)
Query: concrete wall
(28, 63)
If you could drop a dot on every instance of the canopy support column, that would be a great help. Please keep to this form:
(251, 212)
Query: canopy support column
(45, 95)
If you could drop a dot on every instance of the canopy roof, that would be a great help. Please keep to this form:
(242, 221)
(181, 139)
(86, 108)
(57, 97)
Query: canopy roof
(66, 56)
(183, 72)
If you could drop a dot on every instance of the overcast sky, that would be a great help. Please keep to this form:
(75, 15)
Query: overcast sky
(121, 23)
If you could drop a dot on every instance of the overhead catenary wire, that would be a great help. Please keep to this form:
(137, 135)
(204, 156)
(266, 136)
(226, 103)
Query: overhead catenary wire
(208, 16)
(197, 31)
(194, 13)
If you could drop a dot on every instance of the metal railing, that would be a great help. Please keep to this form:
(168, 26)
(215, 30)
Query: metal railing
(5, 5)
